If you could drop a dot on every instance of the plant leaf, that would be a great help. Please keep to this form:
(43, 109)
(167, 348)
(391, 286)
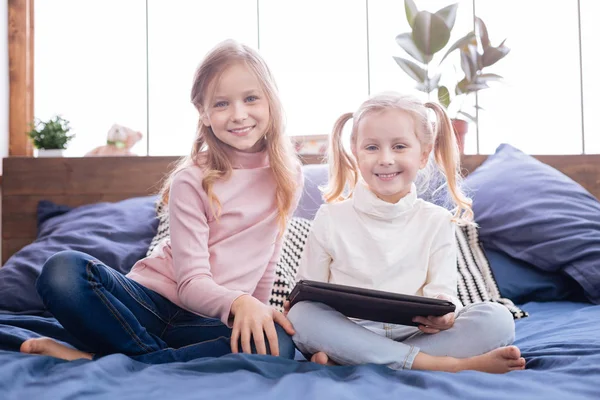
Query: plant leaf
(463, 41)
(469, 116)
(413, 70)
(405, 41)
(492, 55)
(482, 33)
(489, 77)
(430, 33)
(430, 84)
(468, 64)
(475, 87)
(444, 96)
(434, 82)
(411, 11)
(448, 14)
(422, 87)
(461, 87)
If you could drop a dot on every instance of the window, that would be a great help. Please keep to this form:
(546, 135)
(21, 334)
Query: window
(538, 107)
(317, 51)
(90, 67)
(179, 35)
(590, 32)
(132, 63)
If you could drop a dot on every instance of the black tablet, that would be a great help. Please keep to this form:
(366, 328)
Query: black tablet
(373, 305)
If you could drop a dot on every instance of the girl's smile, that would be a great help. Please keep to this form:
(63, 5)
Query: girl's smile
(389, 154)
(245, 131)
(388, 177)
(239, 112)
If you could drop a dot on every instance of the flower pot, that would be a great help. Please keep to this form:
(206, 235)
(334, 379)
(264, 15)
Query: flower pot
(460, 130)
(50, 153)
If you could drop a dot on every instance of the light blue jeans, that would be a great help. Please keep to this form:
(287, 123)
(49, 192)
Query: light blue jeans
(478, 329)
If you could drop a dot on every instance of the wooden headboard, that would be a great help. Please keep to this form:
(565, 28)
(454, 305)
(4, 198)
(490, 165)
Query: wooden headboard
(69, 181)
(79, 181)
(582, 168)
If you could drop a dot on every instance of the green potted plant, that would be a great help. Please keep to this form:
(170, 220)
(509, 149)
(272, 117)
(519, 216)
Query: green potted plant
(50, 137)
(430, 34)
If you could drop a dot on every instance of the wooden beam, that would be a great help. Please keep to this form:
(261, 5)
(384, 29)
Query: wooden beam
(20, 58)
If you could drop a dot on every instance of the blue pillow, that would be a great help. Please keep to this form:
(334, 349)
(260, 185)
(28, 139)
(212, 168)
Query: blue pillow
(522, 282)
(117, 234)
(315, 176)
(536, 214)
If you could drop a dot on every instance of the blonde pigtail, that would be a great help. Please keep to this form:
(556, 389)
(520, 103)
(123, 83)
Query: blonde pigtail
(343, 169)
(447, 157)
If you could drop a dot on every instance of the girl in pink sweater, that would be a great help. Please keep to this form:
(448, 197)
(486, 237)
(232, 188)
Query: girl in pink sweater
(204, 291)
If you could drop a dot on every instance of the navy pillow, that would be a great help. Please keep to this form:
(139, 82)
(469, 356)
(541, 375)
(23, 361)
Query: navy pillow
(536, 214)
(117, 234)
(522, 282)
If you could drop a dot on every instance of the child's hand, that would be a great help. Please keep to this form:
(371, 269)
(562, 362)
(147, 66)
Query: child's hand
(434, 324)
(252, 321)
(286, 308)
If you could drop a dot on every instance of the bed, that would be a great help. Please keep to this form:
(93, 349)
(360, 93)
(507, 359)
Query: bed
(57, 202)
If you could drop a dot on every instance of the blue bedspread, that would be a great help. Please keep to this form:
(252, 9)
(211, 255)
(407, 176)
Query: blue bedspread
(560, 341)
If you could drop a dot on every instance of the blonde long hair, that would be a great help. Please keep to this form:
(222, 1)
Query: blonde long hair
(208, 151)
(343, 167)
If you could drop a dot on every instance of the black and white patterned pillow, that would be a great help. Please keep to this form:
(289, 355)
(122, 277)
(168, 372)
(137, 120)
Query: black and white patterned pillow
(163, 227)
(286, 271)
(476, 282)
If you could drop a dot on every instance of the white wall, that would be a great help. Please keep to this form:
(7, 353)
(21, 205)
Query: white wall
(3, 90)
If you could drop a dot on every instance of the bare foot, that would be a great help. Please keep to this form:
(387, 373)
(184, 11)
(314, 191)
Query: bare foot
(321, 358)
(50, 347)
(498, 361)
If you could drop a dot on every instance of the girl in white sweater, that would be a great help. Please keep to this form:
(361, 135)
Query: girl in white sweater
(375, 233)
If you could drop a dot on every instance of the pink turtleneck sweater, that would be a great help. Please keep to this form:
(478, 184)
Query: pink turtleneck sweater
(207, 264)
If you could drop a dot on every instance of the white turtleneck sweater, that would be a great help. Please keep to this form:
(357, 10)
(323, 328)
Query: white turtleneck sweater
(408, 247)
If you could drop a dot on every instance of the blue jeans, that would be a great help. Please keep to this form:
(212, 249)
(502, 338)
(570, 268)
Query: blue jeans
(110, 313)
(478, 328)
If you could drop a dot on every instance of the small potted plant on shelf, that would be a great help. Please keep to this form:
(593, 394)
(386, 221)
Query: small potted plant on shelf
(51, 137)
(430, 34)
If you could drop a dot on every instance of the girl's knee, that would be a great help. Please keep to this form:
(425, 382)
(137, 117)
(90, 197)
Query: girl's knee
(302, 316)
(305, 314)
(61, 272)
(297, 310)
(495, 320)
(305, 310)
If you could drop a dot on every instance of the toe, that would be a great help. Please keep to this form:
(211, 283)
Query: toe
(519, 363)
(323, 359)
(28, 346)
(320, 358)
(25, 347)
(513, 352)
(517, 368)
